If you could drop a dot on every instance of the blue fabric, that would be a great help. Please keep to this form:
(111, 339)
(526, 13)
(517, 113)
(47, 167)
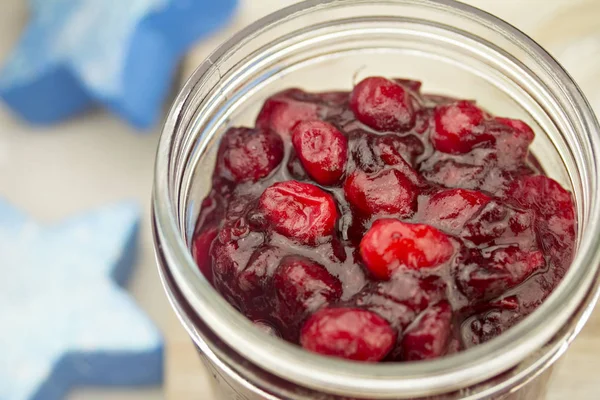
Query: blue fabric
(64, 318)
(120, 54)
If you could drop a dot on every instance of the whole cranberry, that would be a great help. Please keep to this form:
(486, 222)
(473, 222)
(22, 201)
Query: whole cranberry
(362, 151)
(390, 149)
(521, 128)
(400, 299)
(429, 337)
(302, 286)
(300, 211)
(542, 194)
(458, 128)
(391, 244)
(249, 154)
(282, 112)
(382, 104)
(512, 140)
(348, 333)
(397, 313)
(504, 268)
(453, 174)
(255, 279)
(364, 192)
(555, 213)
(496, 221)
(488, 325)
(229, 258)
(322, 149)
(394, 149)
(449, 210)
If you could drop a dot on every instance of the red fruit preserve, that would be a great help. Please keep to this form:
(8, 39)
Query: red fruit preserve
(382, 224)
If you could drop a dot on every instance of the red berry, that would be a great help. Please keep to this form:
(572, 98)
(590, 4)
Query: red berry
(391, 244)
(364, 151)
(395, 150)
(451, 209)
(230, 256)
(512, 140)
(348, 333)
(201, 251)
(299, 211)
(521, 128)
(429, 337)
(450, 173)
(382, 104)
(496, 221)
(458, 128)
(488, 277)
(254, 280)
(282, 112)
(248, 154)
(400, 299)
(302, 286)
(322, 149)
(489, 325)
(423, 121)
(543, 195)
(553, 205)
(387, 192)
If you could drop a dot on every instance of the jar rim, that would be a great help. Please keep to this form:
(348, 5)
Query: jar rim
(578, 289)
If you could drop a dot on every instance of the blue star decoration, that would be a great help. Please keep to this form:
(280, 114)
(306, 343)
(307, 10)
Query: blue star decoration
(65, 320)
(121, 54)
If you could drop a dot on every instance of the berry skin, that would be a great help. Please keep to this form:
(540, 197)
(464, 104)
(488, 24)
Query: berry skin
(521, 128)
(249, 154)
(322, 149)
(391, 245)
(302, 286)
(383, 105)
(512, 140)
(542, 194)
(451, 174)
(451, 209)
(402, 298)
(386, 192)
(504, 268)
(555, 212)
(458, 128)
(281, 112)
(394, 150)
(255, 279)
(349, 333)
(428, 338)
(299, 211)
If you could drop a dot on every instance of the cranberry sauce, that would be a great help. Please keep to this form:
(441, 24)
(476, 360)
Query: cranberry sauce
(383, 224)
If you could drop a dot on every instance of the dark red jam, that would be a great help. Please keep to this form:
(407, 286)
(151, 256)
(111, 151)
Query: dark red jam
(383, 224)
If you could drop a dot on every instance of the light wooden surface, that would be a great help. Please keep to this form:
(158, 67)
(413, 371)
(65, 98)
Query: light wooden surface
(57, 171)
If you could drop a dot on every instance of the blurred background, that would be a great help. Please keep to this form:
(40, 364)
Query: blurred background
(55, 171)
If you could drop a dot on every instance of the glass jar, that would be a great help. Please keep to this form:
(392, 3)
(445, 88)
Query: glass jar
(455, 50)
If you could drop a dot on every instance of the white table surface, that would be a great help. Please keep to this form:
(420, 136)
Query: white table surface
(56, 171)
